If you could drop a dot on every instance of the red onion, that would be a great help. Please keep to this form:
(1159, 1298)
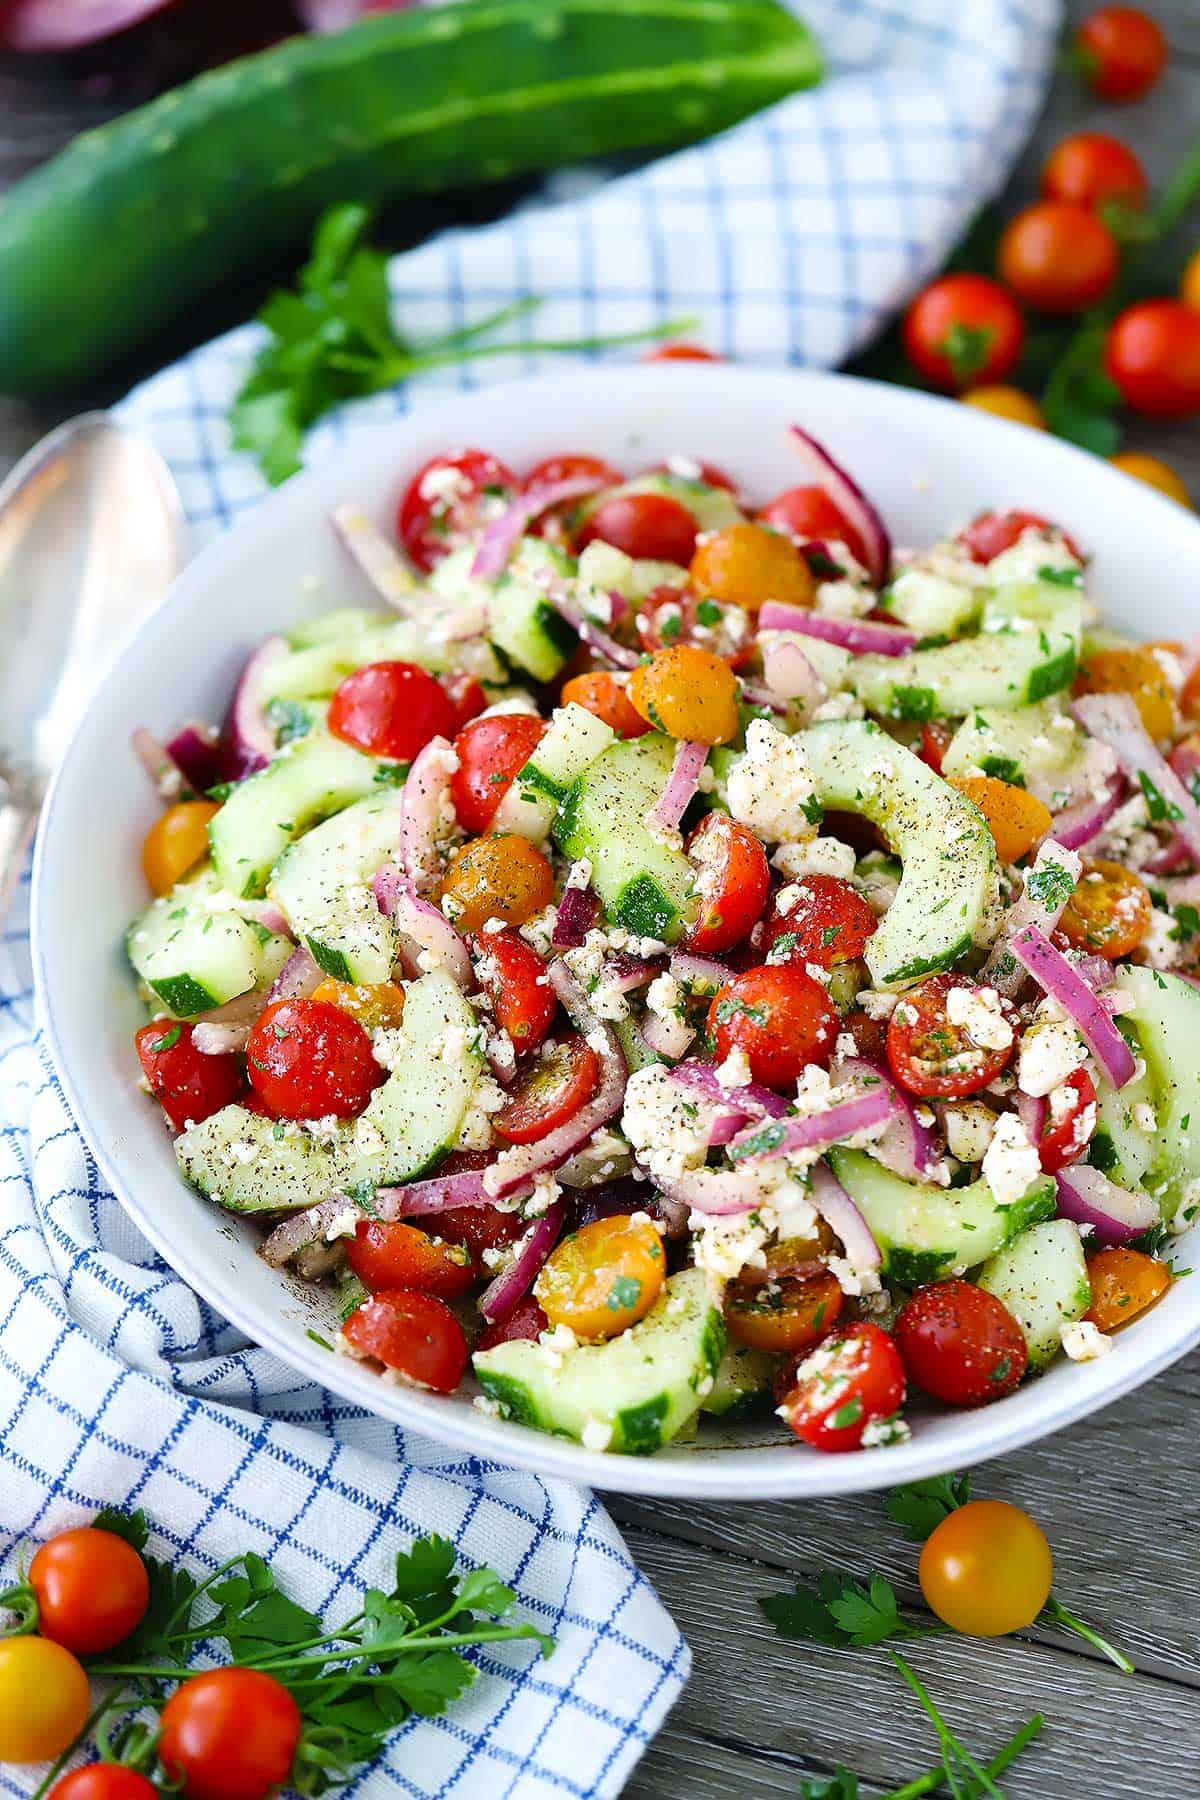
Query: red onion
(298, 977)
(843, 1217)
(1115, 720)
(1050, 968)
(1115, 1214)
(1077, 825)
(251, 740)
(1031, 1110)
(862, 636)
(754, 693)
(196, 750)
(437, 1194)
(626, 974)
(817, 1131)
(590, 633)
(719, 1193)
(1185, 760)
(501, 535)
(850, 501)
(421, 803)
(335, 15)
(382, 565)
(699, 974)
(757, 1101)
(682, 783)
(243, 1009)
(1097, 971)
(49, 25)
(500, 1299)
(908, 1148)
(423, 929)
(168, 778)
(578, 911)
(219, 1040)
(668, 1038)
(1166, 861)
(1042, 903)
(789, 674)
(304, 1228)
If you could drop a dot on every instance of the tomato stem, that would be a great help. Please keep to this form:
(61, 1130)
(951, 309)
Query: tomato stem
(23, 1601)
(285, 1663)
(1055, 1613)
(953, 1751)
(89, 1725)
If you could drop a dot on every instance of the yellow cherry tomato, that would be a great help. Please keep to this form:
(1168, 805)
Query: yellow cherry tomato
(1154, 472)
(176, 842)
(1015, 818)
(748, 564)
(1110, 911)
(986, 1569)
(605, 1276)
(1007, 403)
(1124, 1283)
(44, 1699)
(1132, 669)
(374, 1003)
(1189, 286)
(688, 693)
(499, 877)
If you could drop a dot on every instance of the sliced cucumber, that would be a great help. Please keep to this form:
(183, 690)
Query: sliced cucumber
(931, 605)
(322, 886)
(646, 884)
(1033, 746)
(339, 623)
(949, 887)
(605, 567)
(197, 951)
(1042, 1278)
(575, 739)
(1166, 1019)
(521, 622)
(310, 779)
(643, 1386)
(321, 665)
(742, 1382)
(927, 1231)
(1120, 1148)
(713, 508)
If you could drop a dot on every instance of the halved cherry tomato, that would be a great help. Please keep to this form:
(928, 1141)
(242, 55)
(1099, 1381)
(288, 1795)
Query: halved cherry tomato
(786, 1315)
(415, 1334)
(92, 1589)
(373, 1004)
(515, 977)
(602, 694)
(1089, 168)
(571, 465)
(499, 877)
(1109, 913)
(229, 1734)
(1153, 355)
(491, 753)
(870, 1035)
(808, 512)
(479, 1228)
(852, 1379)
(391, 709)
(1017, 819)
(44, 1699)
(935, 741)
(388, 1253)
(524, 1325)
(710, 473)
(446, 502)
(986, 1569)
(1058, 257)
(991, 534)
(643, 525)
(466, 696)
(960, 1343)
(688, 693)
(187, 1085)
(681, 353)
(1071, 1133)
(780, 1016)
(309, 1059)
(1124, 1283)
(561, 1081)
(1131, 669)
(1154, 472)
(176, 842)
(963, 329)
(1121, 52)
(747, 564)
(931, 1056)
(824, 921)
(103, 1781)
(732, 880)
(669, 615)
(603, 1277)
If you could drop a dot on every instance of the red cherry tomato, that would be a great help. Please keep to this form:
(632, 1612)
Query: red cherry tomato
(960, 1343)
(446, 502)
(388, 1253)
(1153, 355)
(682, 353)
(931, 1056)
(466, 696)
(670, 616)
(808, 512)
(1121, 51)
(415, 1334)
(525, 1323)
(570, 466)
(515, 977)
(560, 1082)
(962, 331)
(825, 921)
(187, 1085)
(229, 1734)
(1089, 168)
(992, 533)
(491, 753)
(480, 1228)
(779, 1016)
(1058, 257)
(853, 1379)
(643, 525)
(870, 1035)
(732, 879)
(935, 741)
(1070, 1135)
(103, 1781)
(92, 1589)
(391, 709)
(309, 1058)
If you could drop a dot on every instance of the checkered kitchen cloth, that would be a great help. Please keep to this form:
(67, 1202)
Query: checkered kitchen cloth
(793, 237)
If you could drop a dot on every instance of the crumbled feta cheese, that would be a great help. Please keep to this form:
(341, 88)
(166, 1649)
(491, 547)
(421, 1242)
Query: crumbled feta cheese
(968, 1125)
(978, 1012)
(579, 875)
(1050, 1051)
(666, 1126)
(1011, 1164)
(322, 1131)
(735, 1071)
(1084, 1342)
(820, 856)
(770, 787)
(442, 485)
(875, 1005)
(368, 1139)
(596, 1434)
(1144, 1117)
(558, 1344)
(853, 1281)
(664, 997)
(878, 882)
(844, 600)
(1162, 946)
(1034, 550)
(879, 1434)
(545, 1192)
(724, 1247)
(840, 706)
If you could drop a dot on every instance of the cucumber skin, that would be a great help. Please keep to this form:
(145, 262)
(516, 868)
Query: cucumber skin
(129, 226)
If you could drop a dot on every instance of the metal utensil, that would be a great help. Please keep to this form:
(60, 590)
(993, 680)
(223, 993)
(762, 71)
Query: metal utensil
(91, 538)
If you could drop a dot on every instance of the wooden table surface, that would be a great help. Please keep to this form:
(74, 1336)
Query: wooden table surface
(1119, 1496)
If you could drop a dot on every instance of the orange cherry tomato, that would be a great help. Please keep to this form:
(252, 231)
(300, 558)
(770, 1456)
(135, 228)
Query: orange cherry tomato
(681, 353)
(176, 842)
(374, 1004)
(786, 1315)
(1121, 52)
(415, 1334)
(557, 1085)
(1132, 669)
(986, 1569)
(229, 1734)
(601, 693)
(1007, 403)
(1089, 168)
(929, 1054)
(499, 877)
(1124, 1283)
(747, 564)
(1153, 355)
(1016, 819)
(780, 1016)
(1109, 913)
(1154, 472)
(92, 1589)
(1058, 257)
(820, 919)
(962, 330)
(732, 879)
(603, 1277)
(44, 1699)
(389, 1253)
(688, 693)
(808, 513)
(1189, 285)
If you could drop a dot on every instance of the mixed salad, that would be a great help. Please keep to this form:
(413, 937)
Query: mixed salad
(680, 954)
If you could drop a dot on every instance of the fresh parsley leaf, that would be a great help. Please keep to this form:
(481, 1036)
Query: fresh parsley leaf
(841, 1785)
(130, 1526)
(868, 1615)
(840, 1611)
(922, 1505)
(802, 1615)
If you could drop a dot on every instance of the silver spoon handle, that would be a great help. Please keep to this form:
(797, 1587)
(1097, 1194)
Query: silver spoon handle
(18, 816)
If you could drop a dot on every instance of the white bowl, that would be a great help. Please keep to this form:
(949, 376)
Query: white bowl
(928, 464)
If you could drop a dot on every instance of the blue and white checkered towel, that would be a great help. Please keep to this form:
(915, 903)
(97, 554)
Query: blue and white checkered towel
(792, 237)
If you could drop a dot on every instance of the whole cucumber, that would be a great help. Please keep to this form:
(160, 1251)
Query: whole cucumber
(133, 223)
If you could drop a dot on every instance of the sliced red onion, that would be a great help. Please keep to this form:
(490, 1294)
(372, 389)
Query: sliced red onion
(502, 534)
(578, 911)
(850, 501)
(725, 1126)
(757, 1101)
(437, 1194)
(1051, 970)
(1185, 760)
(719, 1193)
(243, 1009)
(1042, 902)
(843, 1217)
(335, 15)
(626, 974)
(593, 635)
(219, 1040)
(699, 974)
(668, 1037)
(789, 675)
(251, 740)
(1097, 971)
(862, 636)
(908, 1148)
(1031, 1110)
(268, 915)
(1184, 892)
(298, 977)
(1115, 720)
(424, 798)
(1169, 859)
(197, 750)
(304, 1228)
(756, 693)
(681, 785)
(423, 930)
(379, 561)
(1079, 824)
(1115, 1213)
(817, 1131)
(49, 25)
(168, 778)
(500, 1299)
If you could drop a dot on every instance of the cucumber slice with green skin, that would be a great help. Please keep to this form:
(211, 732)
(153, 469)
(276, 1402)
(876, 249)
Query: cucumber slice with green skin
(322, 884)
(1120, 1148)
(949, 889)
(309, 780)
(713, 508)
(644, 1385)
(741, 1384)
(227, 173)
(251, 1164)
(525, 629)
(605, 567)
(1033, 746)
(332, 627)
(1042, 1278)
(646, 885)
(926, 1232)
(575, 739)
(196, 955)
(931, 605)
(1166, 1020)
(319, 668)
